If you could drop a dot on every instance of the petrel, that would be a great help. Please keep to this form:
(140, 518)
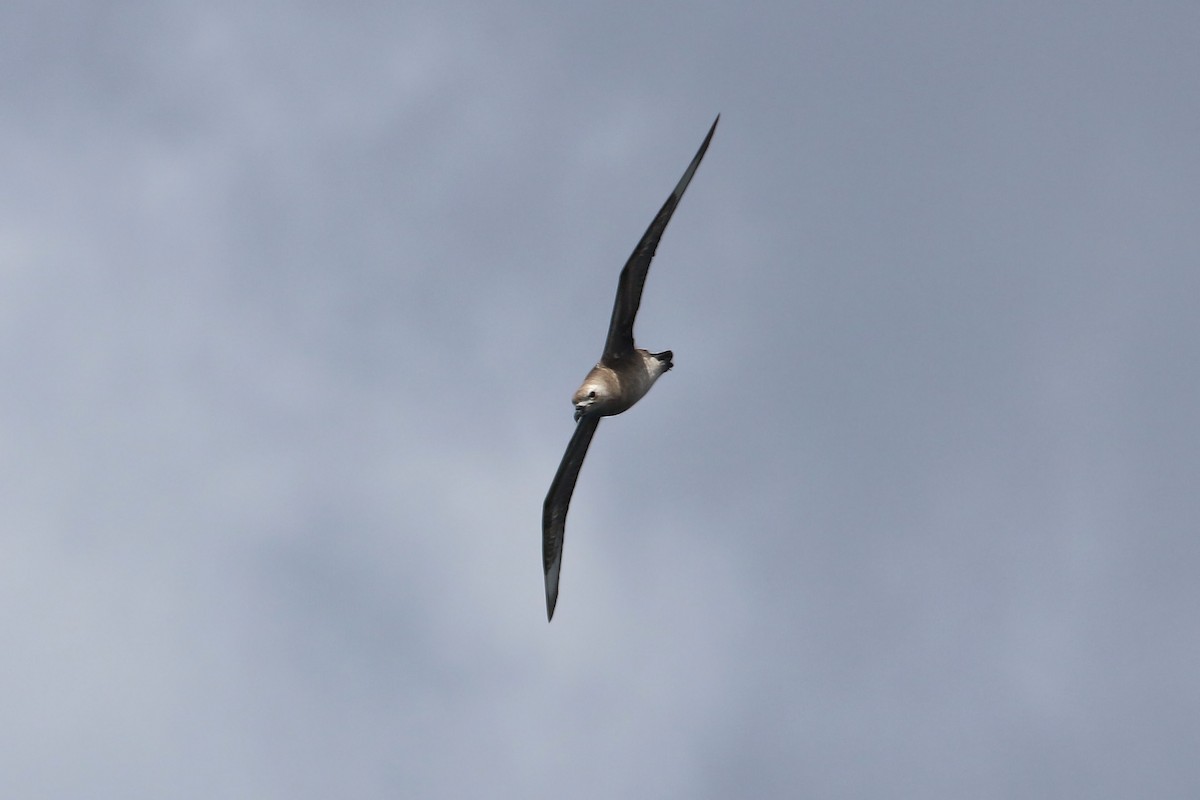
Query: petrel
(623, 376)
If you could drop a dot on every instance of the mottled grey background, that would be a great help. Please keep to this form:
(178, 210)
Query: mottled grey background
(293, 298)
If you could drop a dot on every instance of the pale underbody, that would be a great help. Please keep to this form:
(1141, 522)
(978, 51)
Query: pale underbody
(609, 390)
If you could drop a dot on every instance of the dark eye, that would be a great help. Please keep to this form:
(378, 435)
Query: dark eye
(592, 394)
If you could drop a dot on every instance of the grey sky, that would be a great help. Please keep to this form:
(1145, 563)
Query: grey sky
(293, 299)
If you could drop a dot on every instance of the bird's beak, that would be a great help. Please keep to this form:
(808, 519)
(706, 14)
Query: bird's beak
(578, 413)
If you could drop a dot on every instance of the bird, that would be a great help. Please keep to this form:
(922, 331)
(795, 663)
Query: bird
(623, 376)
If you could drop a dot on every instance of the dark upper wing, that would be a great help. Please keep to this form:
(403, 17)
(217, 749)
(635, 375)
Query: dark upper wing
(633, 276)
(558, 499)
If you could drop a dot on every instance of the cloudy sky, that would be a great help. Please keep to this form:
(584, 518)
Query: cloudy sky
(293, 298)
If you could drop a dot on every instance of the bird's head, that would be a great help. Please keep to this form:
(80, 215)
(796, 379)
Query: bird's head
(591, 396)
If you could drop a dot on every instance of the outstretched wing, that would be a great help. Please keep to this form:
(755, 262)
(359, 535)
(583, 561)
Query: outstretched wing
(558, 499)
(633, 276)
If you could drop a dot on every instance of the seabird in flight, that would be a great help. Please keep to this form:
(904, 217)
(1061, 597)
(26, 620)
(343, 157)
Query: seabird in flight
(623, 376)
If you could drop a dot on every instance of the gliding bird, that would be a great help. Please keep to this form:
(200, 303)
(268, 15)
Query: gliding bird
(623, 376)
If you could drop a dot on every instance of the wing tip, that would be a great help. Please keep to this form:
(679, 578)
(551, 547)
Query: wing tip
(552, 588)
(711, 131)
(681, 187)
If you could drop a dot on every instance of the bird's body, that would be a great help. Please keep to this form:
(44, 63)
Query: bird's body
(614, 386)
(623, 376)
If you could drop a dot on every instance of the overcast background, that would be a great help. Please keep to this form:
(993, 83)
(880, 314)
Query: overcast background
(293, 298)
